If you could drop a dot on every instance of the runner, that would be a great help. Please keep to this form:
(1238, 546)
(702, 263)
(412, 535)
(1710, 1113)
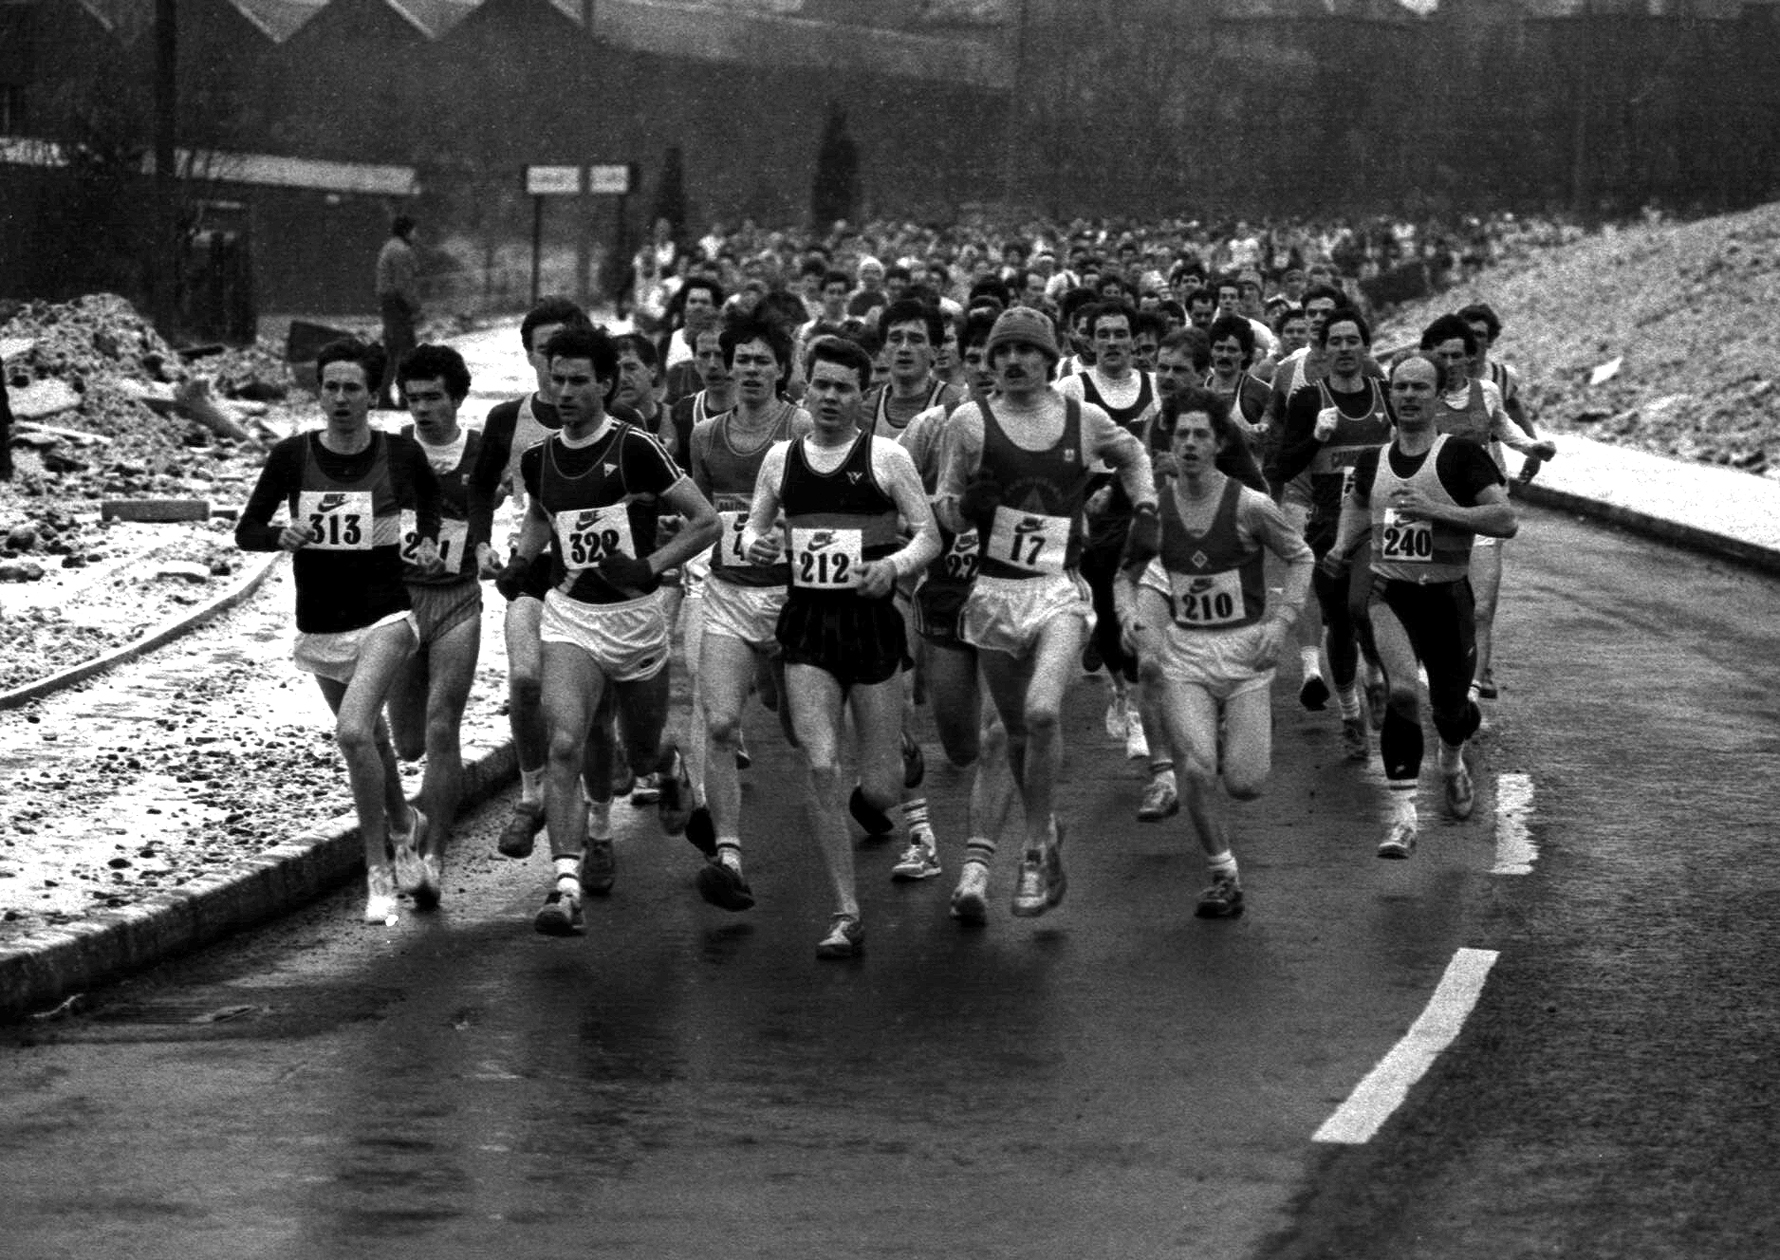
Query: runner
(968, 729)
(741, 601)
(342, 488)
(1486, 577)
(1424, 498)
(1017, 470)
(1472, 409)
(510, 430)
(426, 702)
(594, 490)
(909, 333)
(1200, 609)
(1328, 425)
(841, 490)
(1129, 396)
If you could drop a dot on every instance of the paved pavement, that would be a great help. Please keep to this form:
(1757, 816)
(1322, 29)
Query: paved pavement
(1706, 509)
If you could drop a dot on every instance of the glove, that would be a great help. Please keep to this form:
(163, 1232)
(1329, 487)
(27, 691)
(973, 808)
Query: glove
(982, 495)
(1144, 541)
(510, 581)
(626, 571)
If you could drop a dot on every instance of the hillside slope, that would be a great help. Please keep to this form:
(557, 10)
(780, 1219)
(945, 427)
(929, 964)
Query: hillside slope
(1692, 310)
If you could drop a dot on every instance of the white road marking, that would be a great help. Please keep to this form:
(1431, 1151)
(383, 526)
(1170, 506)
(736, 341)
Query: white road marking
(1515, 850)
(1385, 1086)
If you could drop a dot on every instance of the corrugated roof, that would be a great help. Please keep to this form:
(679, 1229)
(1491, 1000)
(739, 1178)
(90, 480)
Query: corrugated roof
(278, 20)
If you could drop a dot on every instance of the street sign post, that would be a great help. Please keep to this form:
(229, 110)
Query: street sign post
(542, 182)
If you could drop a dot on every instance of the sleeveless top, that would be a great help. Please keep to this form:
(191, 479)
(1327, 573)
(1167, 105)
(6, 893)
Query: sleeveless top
(1037, 528)
(1330, 467)
(884, 426)
(528, 431)
(835, 520)
(1126, 416)
(454, 518)
(733, 474)
(956, 564)
(1215, 580)
(351, 568)
(1420, 551)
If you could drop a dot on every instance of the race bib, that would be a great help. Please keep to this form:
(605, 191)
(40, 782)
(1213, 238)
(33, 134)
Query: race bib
(591, 534)
(338, 520)
(959, 563)
(732, 518)
(826, 559)
(1406, 541)
(1206, 599)
(451, 540)
(1038, 544)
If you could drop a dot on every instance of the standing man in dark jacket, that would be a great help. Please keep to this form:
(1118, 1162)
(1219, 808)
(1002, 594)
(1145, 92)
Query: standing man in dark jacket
(398, 299)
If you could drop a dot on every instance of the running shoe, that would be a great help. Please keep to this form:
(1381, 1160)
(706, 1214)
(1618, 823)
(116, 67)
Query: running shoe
(404, 844)
(1117, 719)
(521, 832)
(919, 861)
(1353, 739)
(1459, 796)
(380, 895)
(674, 802)
(599, 867)
(1222, 898)
(1137, 747)
(560, 914)
(1042, 881)
(426, 897)
(1314, 694)
(1400, 841)
(845, 939)
(914, 762)
(1376, 696)
(647, 790)
(970, 900)
(701, 832)
(875, 821)
(723, 886)
(1160, 800)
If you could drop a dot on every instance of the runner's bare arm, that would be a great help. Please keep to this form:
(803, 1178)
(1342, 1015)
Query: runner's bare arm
(1107, 439)
(761, 537)
(697, 531)
(961, 454)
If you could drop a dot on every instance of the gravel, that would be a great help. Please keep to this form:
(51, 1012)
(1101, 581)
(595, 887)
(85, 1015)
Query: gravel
(1688, 309)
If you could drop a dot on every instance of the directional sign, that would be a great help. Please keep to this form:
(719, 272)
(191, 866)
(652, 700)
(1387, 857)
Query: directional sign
(552, 181)
(610, 178)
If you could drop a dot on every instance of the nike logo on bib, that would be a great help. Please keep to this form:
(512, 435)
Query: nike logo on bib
(330, 501)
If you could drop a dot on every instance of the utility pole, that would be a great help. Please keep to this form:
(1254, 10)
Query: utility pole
(163, 255)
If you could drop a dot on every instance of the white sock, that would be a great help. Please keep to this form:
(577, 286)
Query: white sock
(1349, 696)
(1312, 661)
(599, 820)
(1222, 863)
(531, 786)
(1403, 801)
(1452, 757)
(568, 867)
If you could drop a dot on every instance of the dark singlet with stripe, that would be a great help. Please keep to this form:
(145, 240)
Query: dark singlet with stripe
(1037, 529)
(835, 520)
(1215, 580)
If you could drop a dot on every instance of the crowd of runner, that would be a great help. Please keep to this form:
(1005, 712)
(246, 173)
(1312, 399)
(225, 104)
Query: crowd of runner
(907, 488)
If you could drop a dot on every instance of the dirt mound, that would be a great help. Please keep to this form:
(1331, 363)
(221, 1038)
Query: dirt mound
(1687, 310)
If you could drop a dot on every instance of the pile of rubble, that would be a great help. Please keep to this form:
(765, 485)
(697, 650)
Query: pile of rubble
(1658, 336)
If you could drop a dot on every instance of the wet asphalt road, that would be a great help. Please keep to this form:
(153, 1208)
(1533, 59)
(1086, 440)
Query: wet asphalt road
(1115, 1079)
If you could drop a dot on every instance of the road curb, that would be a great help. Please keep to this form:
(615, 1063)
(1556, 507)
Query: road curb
(1764, 559)
(164, 633)
(41, 970)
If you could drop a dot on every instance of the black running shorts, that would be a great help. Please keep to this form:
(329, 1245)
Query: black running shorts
(860, 641)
